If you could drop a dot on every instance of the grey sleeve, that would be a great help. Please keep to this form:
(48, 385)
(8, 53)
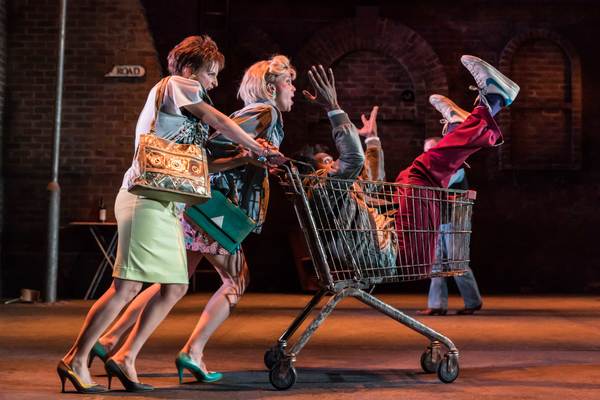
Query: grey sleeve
(347, 142)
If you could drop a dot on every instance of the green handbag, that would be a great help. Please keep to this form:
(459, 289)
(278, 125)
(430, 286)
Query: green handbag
(222, 220)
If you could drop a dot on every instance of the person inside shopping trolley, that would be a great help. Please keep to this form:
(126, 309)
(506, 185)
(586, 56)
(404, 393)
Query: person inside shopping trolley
(362, 235)
(362, 229)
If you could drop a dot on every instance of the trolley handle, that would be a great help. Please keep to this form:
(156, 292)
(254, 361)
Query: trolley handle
(292, 173)
(469, 194)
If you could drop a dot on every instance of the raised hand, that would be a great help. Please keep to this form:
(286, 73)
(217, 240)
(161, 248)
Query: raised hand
(324, 85)
(369, 128)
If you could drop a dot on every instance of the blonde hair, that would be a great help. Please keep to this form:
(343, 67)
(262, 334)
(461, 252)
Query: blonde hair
(254, 83)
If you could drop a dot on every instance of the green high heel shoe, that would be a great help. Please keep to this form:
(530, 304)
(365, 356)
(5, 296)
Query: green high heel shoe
(97, 351)
(184, 361)
(65, 372)
(113, 369)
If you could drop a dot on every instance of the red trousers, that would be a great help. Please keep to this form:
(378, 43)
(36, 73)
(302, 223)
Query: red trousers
(418, 218)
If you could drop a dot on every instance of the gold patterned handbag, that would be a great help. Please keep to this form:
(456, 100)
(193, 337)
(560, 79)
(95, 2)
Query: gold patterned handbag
(169, 171)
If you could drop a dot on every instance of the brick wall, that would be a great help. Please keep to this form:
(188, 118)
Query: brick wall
(542, 69)
(99, 116)
(382, 50)
(549, 72)
(368, 78)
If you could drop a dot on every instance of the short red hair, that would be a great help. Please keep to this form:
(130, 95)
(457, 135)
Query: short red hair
(194, 52)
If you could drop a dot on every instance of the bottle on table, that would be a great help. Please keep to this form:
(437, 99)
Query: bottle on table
(101, 210)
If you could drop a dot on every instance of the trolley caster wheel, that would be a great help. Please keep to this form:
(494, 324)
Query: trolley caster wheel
(448, 368)
(283, 375)
(427, 362)
(272, 356)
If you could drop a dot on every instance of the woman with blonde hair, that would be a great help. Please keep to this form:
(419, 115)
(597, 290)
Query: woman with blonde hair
(267, 91)
(151, 241)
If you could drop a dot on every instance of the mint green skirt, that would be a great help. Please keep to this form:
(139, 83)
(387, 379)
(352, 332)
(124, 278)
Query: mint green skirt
(151, 247)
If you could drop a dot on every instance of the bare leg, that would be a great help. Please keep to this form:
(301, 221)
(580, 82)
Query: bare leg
(151, 316)
(102, 313)
(234, 273)
(119, 330)
(193, 259)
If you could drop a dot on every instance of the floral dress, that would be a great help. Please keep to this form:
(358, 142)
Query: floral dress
(246, 186)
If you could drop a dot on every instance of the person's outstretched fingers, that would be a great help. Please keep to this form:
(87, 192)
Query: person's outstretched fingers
(319, 78)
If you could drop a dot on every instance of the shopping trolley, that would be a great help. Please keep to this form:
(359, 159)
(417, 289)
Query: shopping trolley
(361, 234)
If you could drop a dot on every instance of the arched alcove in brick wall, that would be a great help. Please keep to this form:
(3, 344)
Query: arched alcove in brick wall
(385, 63)
(543, 127)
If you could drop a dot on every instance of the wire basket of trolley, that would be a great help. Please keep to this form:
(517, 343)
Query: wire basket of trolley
(364, 233)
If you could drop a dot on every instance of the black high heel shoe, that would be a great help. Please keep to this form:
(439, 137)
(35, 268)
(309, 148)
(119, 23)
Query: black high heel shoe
(113, 369)
(65, 372)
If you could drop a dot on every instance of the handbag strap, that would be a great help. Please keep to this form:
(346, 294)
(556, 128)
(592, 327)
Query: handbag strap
(158, 99)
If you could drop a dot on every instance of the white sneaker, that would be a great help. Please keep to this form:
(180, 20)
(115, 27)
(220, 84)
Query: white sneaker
(449, 110)
(490, 80)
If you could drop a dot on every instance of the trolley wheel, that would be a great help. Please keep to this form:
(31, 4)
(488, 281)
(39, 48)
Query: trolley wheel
(448, 368)
(272, 355)
(427, 362)
(283, 374)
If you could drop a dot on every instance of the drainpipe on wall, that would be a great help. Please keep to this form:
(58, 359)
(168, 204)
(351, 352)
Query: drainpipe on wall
(53, 187)
(3, 57)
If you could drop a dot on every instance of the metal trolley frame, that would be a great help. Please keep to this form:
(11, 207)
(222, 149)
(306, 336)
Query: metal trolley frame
(360, 234)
